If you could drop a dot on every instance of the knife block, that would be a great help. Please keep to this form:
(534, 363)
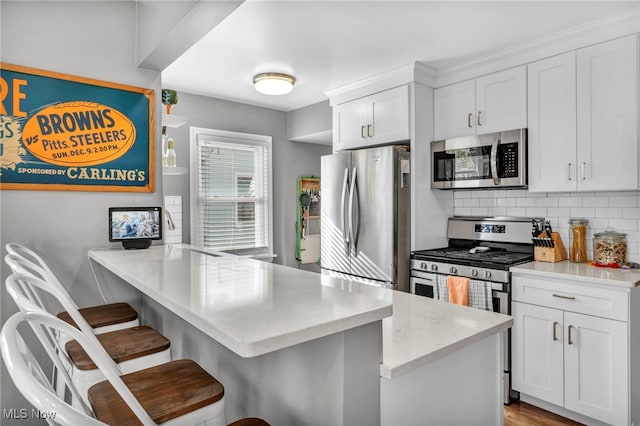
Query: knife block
(557, 253)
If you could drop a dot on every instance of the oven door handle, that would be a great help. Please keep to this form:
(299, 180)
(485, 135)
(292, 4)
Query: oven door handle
(494, 161)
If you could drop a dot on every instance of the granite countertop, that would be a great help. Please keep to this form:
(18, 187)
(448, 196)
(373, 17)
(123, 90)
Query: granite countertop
(625, 278)
(249, 306)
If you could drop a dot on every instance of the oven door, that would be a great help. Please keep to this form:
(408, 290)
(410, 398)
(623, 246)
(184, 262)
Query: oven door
(423, 283)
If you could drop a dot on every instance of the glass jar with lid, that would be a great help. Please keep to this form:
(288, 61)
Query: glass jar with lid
(610, 247)
(578, 252)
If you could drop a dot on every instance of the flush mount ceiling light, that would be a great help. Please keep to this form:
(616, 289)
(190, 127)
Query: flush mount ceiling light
(272, 83)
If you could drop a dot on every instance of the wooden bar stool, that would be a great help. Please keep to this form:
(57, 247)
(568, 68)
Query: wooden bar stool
(132, 349)
(103, 318)
(178, 392)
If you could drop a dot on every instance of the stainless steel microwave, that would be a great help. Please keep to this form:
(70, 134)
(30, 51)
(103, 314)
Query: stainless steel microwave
(494, 160)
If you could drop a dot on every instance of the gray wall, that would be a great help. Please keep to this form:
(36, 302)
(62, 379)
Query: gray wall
(96, 39)
(91, 39)
(290, 159)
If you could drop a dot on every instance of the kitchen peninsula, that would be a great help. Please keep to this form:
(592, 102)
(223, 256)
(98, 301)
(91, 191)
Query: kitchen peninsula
(296, 347)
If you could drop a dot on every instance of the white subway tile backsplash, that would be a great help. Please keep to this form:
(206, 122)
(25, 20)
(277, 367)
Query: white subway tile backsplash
(623, 201)
(583, 212)
(609, 212)
(619, 210)
(595, 202)
(516, 212)
(569, 201)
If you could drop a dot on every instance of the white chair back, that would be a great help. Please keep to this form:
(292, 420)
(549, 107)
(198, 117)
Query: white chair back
(31, 381)
(29, 255)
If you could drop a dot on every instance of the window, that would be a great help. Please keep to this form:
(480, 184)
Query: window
(231, 207)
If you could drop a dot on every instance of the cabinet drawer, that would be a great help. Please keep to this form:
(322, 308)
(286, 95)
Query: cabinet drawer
(601, 302)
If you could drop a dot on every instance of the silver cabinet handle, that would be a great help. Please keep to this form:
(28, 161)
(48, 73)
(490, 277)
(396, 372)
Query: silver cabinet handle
(563, 297)
(569, 341)
(469, 117)
(569, 172)
(362, 135)
(370, 130)
(582, 167)
(555, 336)
(479, 123)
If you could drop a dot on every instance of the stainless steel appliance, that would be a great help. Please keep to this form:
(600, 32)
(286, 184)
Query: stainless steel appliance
(366, 219)
(482, 161)
(481, 249)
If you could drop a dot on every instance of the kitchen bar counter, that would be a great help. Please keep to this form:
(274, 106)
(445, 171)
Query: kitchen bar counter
(251, 307)
(626, 278)
(304, 332)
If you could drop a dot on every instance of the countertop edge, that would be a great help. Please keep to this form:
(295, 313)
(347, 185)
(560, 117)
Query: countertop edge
(530, 269)
(392, 372)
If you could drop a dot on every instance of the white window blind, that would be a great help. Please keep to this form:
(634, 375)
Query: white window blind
(231, 191)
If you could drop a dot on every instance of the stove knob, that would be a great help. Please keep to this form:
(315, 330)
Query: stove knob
(434, 268)
(423, 266)
(453, 270)
(474, 272)
(487, 274)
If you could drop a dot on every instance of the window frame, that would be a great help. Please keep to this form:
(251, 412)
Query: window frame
(236, 138)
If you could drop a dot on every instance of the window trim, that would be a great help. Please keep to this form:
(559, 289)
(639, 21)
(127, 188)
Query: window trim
(226, 136)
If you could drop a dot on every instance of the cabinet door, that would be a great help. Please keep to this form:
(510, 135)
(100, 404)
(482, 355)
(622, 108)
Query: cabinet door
(389, 116)
(501, 101)
(349, 124)
(596, 368)
(552, 124)
(536, 352)
(607, 81)
(454, 110)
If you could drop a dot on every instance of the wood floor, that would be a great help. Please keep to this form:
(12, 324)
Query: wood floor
(522, 414)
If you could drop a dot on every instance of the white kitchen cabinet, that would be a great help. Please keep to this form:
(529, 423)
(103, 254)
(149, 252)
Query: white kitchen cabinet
(373, 120)
(488, 104)
(564, 354)
(583, 119)
(537, 351)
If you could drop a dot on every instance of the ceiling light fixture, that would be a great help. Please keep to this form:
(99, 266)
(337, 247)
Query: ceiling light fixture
(271, 83)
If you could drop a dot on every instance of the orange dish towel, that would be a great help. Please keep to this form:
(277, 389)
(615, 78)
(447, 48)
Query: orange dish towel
(458, 290)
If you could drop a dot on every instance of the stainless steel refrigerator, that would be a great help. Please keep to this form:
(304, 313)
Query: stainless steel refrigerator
(366, 216)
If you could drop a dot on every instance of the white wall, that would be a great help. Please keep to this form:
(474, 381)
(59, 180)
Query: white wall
(290, 160)
(619, 210)
(92, 39)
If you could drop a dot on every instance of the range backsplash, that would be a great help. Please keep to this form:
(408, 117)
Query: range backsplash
(619, 210)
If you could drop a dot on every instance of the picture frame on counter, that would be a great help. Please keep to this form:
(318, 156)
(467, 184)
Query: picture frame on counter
(64, 132)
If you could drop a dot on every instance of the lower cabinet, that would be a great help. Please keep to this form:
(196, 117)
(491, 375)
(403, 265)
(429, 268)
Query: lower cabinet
(570, 359)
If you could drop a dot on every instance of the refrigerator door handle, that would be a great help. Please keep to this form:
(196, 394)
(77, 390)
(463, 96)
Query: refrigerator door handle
(345, 232)
(354, 220)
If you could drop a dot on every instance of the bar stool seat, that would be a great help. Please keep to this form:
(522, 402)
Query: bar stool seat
(105, 318)
(121, 345)
(175, 389)
(249, 421)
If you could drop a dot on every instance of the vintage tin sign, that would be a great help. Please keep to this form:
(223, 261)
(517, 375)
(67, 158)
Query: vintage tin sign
(60, 132)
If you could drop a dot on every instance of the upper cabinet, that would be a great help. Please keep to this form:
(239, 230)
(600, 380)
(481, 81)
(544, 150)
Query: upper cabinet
(488, 104)
(583, 119)
(372, 120)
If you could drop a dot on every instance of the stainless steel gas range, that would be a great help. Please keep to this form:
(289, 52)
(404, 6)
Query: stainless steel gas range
(481, 249)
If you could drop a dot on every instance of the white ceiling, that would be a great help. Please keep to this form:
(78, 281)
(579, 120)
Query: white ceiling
(330, 44)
